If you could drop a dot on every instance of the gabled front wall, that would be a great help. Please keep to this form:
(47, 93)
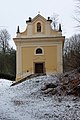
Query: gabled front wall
(52, 57)
(51, 41)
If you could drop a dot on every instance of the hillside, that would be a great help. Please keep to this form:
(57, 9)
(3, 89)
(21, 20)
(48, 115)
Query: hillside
(41, 98)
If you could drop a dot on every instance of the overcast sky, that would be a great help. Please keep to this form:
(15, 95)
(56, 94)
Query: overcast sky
(16, 12)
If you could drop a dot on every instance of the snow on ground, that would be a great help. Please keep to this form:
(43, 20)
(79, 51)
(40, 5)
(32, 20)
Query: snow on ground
(26, 102)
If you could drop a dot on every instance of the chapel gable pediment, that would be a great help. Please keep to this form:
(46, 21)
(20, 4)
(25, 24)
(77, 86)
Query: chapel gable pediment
(39, 27)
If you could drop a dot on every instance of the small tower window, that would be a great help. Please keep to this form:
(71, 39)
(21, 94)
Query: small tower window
(39, 51)
(38, 27)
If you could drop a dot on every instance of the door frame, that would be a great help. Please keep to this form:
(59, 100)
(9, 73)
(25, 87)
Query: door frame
(43, 66)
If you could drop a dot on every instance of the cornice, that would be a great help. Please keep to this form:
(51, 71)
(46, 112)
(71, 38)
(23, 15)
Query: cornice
(35, 38)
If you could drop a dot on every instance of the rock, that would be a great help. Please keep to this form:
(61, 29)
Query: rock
(50, 91)
(49, 85)
(68, 84)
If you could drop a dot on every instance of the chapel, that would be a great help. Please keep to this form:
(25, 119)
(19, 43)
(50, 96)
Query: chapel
(39, 48)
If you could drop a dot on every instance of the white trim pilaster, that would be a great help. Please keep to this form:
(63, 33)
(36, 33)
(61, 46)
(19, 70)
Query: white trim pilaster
(18, 60)
(59, 59)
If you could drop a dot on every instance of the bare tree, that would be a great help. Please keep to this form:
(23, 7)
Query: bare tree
(72, 53)
(4, 40)
(54, 19)
(77, 13)
(4, 47)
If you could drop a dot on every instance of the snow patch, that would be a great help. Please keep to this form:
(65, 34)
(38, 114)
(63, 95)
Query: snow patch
(25, 101)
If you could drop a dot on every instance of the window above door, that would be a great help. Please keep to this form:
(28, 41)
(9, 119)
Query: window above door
(39, 51)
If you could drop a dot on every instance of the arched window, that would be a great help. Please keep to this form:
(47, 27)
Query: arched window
(38, 27)
(39, 51)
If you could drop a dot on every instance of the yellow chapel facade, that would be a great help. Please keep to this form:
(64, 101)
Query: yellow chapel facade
(39, 48)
